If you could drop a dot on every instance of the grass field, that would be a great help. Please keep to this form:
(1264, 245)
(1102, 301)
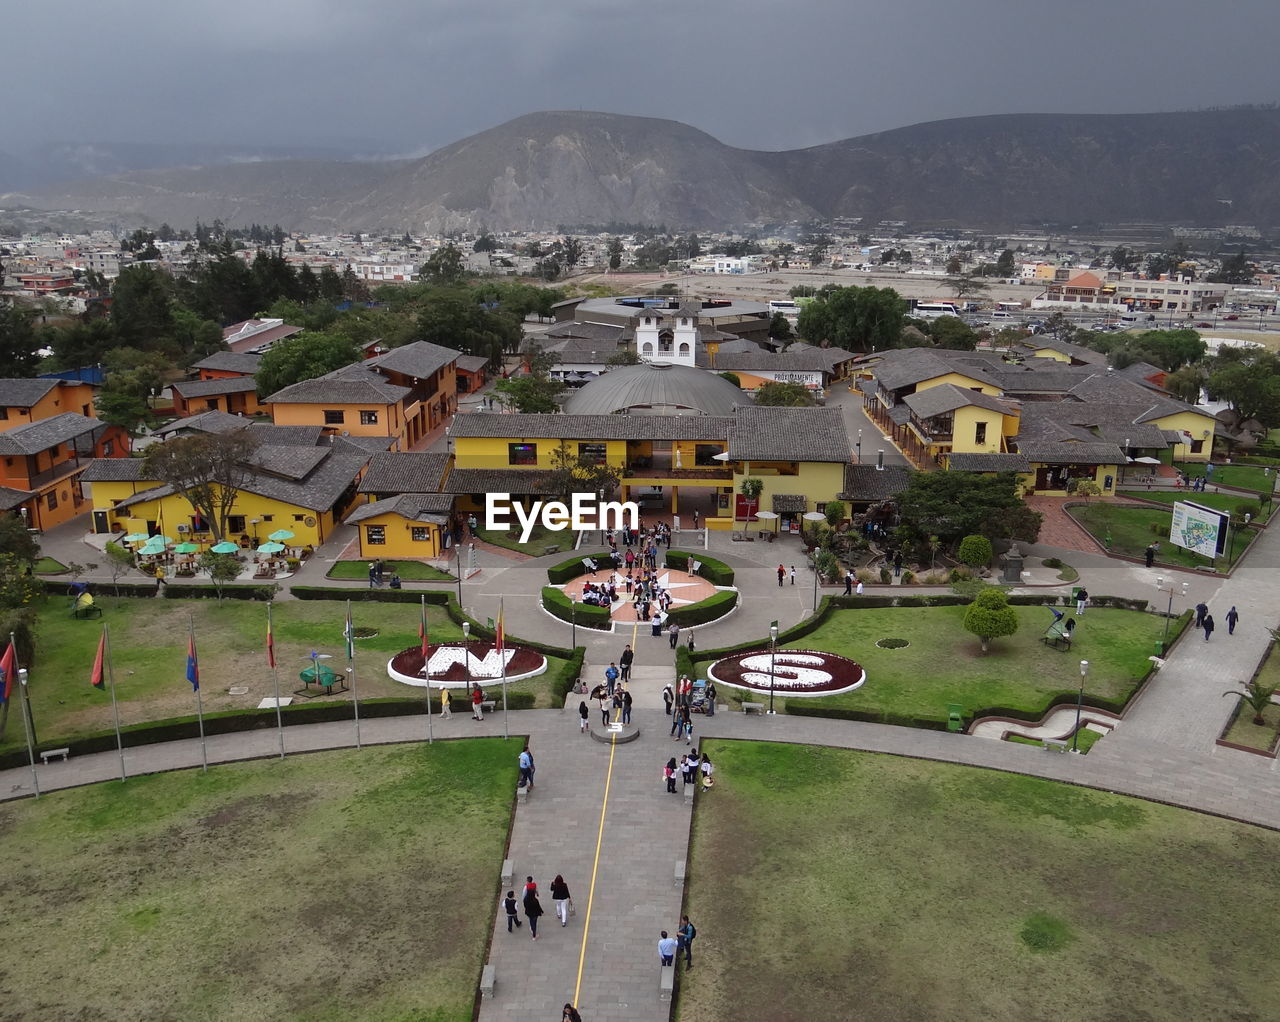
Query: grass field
(330, 886)
(539, 540)
(149, 646)
(49, 566)
(410, 571)
(1219, 501)
(1245, 477)
(1243, 730)
(944, 664)
(830, 884)
(1133, 528)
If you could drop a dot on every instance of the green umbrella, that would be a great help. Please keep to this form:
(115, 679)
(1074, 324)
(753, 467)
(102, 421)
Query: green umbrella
(136, 537)
(153, 546)
(270, 548)
(319, 673)
(280, 535)
(225, 547)
(186, 548)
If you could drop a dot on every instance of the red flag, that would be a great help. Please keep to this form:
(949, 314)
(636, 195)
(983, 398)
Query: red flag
(271, 645)
(96, 679)
(497, 642)
(422, 629)
(8, 664)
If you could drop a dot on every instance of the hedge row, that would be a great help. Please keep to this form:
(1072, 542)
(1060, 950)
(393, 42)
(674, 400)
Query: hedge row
(62, 586)
(716, 572)
(199, 591)
(584, 614)
(715, 606)
(567, 571)
(435, 597)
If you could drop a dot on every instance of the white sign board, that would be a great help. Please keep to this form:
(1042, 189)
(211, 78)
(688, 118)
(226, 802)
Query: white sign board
(1197, 529)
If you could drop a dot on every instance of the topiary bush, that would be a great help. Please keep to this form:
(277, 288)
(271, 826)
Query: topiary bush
(713, 607)
(584, 615)
(716, 572)
(975, 551)
(566, 571)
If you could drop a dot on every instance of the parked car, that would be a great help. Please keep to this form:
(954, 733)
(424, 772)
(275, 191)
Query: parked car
(1231, 317)
(1203, 326)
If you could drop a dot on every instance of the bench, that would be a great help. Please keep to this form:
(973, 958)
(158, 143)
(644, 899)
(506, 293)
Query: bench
(1058, 635)
(92, 610)
(488, 704)
(553, 549)
(522, 795)
(1054, 744)
(666, 982)
(51, 753)
(680, 870)
(487, 976)
(508, 872)
(752, 707)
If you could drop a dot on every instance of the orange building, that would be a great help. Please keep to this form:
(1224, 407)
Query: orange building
(236, 395)
(27, 401)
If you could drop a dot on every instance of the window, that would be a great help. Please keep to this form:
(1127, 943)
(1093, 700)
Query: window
(419, 534)
(298, 518)
(235, 523)
(4, 413)
(211, 404)
(375, 535)
(522, 454)
(334, 416)
(368, 418)
(705, 454)
(594, 453)
(980, 434)
(107, 448)
(1197, 446)
(199, 523)
(51, 500)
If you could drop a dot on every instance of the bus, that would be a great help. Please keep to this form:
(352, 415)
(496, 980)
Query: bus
(934, 310)
(787, 306)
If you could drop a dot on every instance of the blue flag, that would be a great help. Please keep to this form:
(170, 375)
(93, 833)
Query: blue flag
(193, 665)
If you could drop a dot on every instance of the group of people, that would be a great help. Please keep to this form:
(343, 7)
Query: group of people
(533, 910)
(600, 594)
(1205, 622)
(648, 538)
(670, 948)
(378, 576)
(689, 766)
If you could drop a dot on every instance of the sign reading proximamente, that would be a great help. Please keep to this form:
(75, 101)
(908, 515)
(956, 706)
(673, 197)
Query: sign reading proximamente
(1200, 529)
(584, 511)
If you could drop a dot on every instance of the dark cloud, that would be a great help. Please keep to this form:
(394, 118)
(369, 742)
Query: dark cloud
(414, 74)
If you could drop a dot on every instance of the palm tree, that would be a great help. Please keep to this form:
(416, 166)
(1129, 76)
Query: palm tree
(1257, 695)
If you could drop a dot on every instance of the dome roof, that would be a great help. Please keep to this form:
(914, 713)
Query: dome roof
(657, 389)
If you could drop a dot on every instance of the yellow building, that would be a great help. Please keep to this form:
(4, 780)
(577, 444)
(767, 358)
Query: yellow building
(410, 525)
(946, 419)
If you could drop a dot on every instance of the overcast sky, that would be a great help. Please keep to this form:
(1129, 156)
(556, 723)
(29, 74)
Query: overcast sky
(770, 74)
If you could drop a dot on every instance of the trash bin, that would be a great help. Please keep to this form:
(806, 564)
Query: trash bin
(1075, 593)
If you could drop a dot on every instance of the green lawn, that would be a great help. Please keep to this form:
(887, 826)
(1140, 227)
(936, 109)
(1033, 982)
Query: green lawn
(539, 540)
(1083, 743)
(1243, 730)
(330, 886)
(1219, 501)
(410, 571)
(830, 884)
(1245, 477)
(48, 566)
(149, 647)
(943, 663)
(1133, 528)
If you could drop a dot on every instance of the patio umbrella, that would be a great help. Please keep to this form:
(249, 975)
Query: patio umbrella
(152, 547)
(768, 516)
(166, 540)
(1146, 461)
(136, 537)
(280, 535)
(270, 548)
(319, 673)
(225, 547)
(186, 548)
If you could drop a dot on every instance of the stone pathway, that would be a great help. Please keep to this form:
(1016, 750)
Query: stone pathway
(1059, 723)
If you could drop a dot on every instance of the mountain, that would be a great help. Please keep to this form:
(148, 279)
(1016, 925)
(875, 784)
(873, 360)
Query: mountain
(1205, 168)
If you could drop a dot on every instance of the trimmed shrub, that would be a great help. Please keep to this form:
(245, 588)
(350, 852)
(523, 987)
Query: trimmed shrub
(199, 591)
(713, 607)
(566, 571)
(586, 616)
(435, 597)
(716, 572)
(908, 577)
(61, 585)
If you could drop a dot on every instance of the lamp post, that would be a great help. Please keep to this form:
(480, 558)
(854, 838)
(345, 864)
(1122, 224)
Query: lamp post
(1161, 587)
(773, 653)
(1084, 673)
(254, 523)
(29, 726)
(458, 547)
(858, 446)
(814, 516)
(466, 650)
(573, 622)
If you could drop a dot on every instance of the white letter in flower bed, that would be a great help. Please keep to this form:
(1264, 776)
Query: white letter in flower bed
(613, 514)
(496, 504)
(527, 518)
(800, 665)
(490, 666)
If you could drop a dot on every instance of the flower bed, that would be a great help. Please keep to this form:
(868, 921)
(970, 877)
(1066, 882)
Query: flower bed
(806, 672)
(457, 664)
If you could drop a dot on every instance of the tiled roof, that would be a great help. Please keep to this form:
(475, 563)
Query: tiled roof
(11, 498)
(285, 436)
(204, 388)
(988, 463)
(206, 422)
(592, 427)
(948, 397)
(113, 470)
(231, 362)
(866, 483)
(789, 503)
(789, 434)
(472, 363)
(416, 507)
(903, 367)
(496, 480)
(1071, 453)
(40, 436)
(1076, 351)
(289, 462)
(24, 393)
(811, 361)
(397, 472)
(351, 385)
(419, 358)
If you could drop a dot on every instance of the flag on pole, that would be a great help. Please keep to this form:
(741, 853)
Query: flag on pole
(97, 679)
(8, 664)
(193, 664)
(422, 629)
(271, 645)
(498, 638)
(349, 633)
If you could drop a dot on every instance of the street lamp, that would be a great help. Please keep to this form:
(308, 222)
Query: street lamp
(1161, 587)
(773, 653)
(254, 523)
(458, 547)
(573, 622)
(858, 445)
(466, 650)
(1084, 673)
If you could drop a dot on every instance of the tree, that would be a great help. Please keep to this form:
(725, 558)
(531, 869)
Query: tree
(221, 569)
(952, 505)
(536, 391)
(855, 318)
(195, 338)
(1251, 388)
(455, 318)
(784, 395)
(142, 307)
(571, 473)
(623, 357)
(732, 378)
(1123, 259)
(750, 488)
(614, 251)
(989, 616)
(1168, 349)
(966, 285)
(1185, 384)
(1004, 265)
(780, 327)
(303, 357)
(1235, 269)
(975, 551)
(953, 333)
(119, 562)
(485, 243)
(444, 266)
(16, 540)
(834, 512)
(571, 250)
(18, 342)
(1257, 696)
(953, 266)
(207, 469)
(330, 284)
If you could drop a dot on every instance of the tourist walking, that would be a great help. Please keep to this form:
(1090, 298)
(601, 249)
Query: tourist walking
(668, 697)
(782, 573)
(848, 583)
(1201, 610)
(445, 699)
(1150, 555)
(526, 769)
(673, 633)
(532, 910)
(688, 726)
(625, 660)
(684, 940)
(1232, 617)
(667, 947)
(792, 573)
(584, 711)
(677, 722)
(1082, 600)
(669, 772)
(477, 697)
(857, 590)
(897, 564)
(570, 1014)
(604, 709)
(560, 899)
(513, 907)
(1207, 625)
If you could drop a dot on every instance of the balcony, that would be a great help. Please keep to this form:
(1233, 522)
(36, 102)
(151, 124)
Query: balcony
(661, 466)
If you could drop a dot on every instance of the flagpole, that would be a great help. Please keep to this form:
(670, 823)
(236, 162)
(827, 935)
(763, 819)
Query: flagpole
(275, 678)
(502, 655)
(204, 753)
(26, 721)
(115, 711)
(351, 670)
(426, 670)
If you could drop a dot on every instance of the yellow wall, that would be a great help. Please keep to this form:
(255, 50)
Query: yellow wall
(398, 532)
(1057, 356)
(964, 429)
(1197, 424)
(960, 380)
(1027, 482)
(390, 420)
(493, 452)
(818, 481)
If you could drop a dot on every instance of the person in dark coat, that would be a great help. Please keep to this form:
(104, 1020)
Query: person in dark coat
(1207, 625)
(1233, 616)
(532, 910)
(1201, 611)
